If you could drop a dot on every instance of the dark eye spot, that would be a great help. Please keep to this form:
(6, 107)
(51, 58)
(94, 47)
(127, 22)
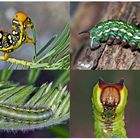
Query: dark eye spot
(9, 39)
(15, 22)
(0, 44)
(1, 35)
(1, 39)
(16, 33)
(28, 19)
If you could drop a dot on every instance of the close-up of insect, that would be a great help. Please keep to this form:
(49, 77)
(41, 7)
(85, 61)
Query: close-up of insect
(106, 108)
(29, 41)
(105, 34)
(114, 32)
(19, 36)
(109, 101)
(69, 69)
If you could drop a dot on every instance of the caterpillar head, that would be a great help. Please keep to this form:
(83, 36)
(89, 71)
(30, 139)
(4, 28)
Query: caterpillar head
(110, 96)
(94, 42)
(23, 18)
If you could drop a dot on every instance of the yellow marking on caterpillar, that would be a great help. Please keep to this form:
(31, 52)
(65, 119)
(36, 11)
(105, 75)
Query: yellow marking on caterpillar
(19, 35)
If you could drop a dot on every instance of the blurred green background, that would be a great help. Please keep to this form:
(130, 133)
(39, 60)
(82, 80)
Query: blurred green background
(82, 83)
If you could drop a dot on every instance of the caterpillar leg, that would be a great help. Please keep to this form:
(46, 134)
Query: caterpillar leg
(30, 41)
(117, 40)
(124, 43)
(110, 40)
(5, 57)
(133, 46)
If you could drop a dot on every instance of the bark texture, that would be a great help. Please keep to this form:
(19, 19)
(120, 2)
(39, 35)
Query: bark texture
(106, 57)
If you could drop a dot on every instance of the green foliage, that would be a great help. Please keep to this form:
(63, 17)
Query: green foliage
(59, 131)
(56, 58)
(54, 96)
(33, 75)
(5, 74)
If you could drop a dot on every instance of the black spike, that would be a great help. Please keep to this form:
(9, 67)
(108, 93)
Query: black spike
(121, 82)
(101, 81)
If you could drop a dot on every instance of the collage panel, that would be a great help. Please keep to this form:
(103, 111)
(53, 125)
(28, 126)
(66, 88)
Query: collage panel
(105, 104)
(105, 35)
(45, 93)
(34, 35)
(34, 104)
(35, 69)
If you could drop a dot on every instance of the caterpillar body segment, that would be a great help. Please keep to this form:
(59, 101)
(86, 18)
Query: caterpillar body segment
(24, 115)
(109, 101)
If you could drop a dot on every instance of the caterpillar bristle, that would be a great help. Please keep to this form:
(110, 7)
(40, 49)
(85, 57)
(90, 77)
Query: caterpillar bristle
(101, 81)
(121, 82)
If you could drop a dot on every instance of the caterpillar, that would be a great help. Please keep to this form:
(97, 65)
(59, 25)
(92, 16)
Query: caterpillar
(109, 101)
(10, 41)
(114, 32)
(24, 115)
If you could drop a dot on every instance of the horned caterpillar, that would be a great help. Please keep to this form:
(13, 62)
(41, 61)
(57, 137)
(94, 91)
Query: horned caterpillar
(109, 101)
(114, 32)
(10, 41)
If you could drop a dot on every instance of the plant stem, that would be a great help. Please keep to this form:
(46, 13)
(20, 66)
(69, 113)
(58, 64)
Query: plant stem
(18, 62)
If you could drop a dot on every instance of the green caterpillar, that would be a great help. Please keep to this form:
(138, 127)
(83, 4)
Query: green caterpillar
(114, 32)
(109, 101)
(24, 115)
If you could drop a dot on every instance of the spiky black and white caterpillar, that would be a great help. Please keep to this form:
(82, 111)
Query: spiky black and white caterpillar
(10, 41)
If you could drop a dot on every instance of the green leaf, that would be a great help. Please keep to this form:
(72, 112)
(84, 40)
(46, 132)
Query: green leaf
(33, 75)
(52, 96)
(47, 45)
(6, 75)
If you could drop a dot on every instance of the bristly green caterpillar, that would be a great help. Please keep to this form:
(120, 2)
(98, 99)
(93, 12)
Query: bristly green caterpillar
(114, 32)
(109, 101)
(24, 115)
